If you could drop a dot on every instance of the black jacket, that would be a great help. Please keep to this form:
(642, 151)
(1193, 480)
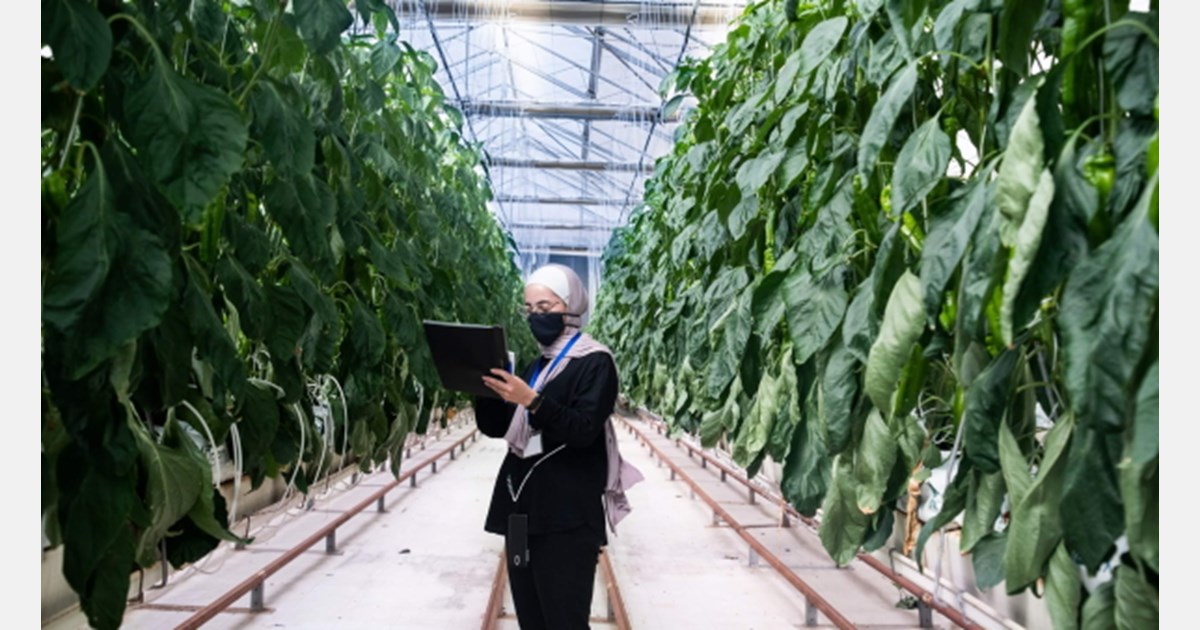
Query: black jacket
(564, 492)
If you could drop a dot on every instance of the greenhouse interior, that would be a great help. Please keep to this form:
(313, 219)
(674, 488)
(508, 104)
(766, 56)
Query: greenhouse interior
(786, 313)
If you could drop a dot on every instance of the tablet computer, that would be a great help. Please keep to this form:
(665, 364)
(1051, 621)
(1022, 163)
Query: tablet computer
(464, 353)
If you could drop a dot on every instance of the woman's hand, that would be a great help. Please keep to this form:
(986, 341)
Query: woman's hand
(510, 387)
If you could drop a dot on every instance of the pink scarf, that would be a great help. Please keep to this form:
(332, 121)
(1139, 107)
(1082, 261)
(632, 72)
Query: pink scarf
(621, 474)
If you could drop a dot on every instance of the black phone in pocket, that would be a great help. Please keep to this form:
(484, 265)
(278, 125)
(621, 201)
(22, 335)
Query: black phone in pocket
(516, 541)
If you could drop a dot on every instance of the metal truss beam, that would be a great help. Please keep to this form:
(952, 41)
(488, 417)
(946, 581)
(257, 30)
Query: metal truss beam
(650, 136)
(575, 12)
(564, 201)
(622, 167)
(561, 226)
(573, 111)
(572, 63)
(663, 62)
(567, 250)
(580, 94)
(629, 62)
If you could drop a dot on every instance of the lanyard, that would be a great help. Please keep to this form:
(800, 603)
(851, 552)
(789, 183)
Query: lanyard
(537, 372)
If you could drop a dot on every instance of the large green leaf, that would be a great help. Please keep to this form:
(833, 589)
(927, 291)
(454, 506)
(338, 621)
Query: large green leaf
(946, 25)
(873, 462)
(836, 396)
(1092, 513)
(983, 270)
(824, 245)
(844, 526)
(883, 117)
(191, 138)
(321, 23)
(1064, 590)
(110, 282)
(1017, 477)
(250, 244)
(885, 57)
(1131, 58)
(280, 124)
(984, 411)
(890, 264)
(868, 8)
(80, 40)
(258, 422)
(288, 321)
(814, 309)
(819, 42)
(99, 551)
(1036, 525)
(389, 263)
(1020, 172)
(1136, 600)
(1144, 446)
(169, 347)
(384, 56)
(1108, 306)
(861, 326)
(947, 242)
(807, 468)
(985, 498)
(173, 483)
(903, 322)
(1075, 204)
(88, 245)
(753, 173)
(213, 343)
(756, 428)
(1138, 471)
(730, 335)
(920, 165)
(1099, 609)
(304, 210)
(795, 162)
(987, 560)
(1017, 23)
(767, 306)
(310, 291)
(711, 428)
(904, 15)
(244, 291)
(1024, 248)
(1139, 492)
(366, 335)
(787, 412)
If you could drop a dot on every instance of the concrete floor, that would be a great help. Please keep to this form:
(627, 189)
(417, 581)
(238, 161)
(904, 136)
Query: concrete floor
(427, 563)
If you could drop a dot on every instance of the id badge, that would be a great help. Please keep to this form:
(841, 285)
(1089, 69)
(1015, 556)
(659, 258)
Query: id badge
(534, 446)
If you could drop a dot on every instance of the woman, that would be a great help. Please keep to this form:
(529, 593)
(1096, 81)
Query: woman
(563, 471)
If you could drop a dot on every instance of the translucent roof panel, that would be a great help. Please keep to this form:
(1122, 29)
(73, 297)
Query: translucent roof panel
(563, 97)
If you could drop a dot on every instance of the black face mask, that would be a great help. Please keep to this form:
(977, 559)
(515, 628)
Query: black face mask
(546, 327)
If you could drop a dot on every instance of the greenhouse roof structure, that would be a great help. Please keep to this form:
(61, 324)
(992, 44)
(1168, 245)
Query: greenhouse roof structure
(563, 96)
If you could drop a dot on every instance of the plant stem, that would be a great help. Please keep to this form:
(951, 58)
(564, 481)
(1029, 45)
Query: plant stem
(268, 48)
(71, 133)
(145, 33)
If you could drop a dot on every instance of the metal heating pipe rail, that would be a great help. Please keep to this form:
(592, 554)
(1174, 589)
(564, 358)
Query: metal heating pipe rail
(254, 583)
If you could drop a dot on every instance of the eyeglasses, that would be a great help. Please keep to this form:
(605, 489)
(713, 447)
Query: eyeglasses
(542, 306)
